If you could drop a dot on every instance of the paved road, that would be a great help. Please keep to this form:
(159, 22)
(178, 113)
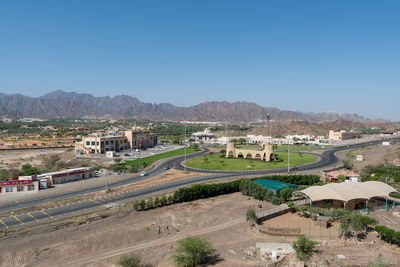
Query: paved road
(327, 158)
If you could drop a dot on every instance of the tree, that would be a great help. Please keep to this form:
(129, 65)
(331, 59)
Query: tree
(251, 215)
(136, 205)
(304, 247)
(28, 170)
(163, 200)
(193, 251)
(142, 204)
(149, 203)
(133, 260)
(387, 180)
(341, 177)
(347, 163)
(286, 193)
(156, 201)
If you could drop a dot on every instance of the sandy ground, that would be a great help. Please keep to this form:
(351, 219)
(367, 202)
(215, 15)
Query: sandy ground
(100, 241)
(16, 158)
(373, 155)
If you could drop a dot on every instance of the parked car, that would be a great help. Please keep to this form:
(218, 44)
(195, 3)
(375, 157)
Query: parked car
(166, 168)
(144, 174)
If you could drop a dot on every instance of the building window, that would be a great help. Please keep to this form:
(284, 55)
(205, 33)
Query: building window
(88, 143)
(9, 189)
(107, 142)
(78, 177)
(97, 142)
(55, 181)
(70, 178)
(93, 143)
(31, 188)
(64, 180)
(20, 188)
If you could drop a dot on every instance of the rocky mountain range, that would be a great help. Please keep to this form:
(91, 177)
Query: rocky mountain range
(60, 104)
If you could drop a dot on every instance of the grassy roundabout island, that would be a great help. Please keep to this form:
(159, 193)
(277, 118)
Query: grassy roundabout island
(218, 162)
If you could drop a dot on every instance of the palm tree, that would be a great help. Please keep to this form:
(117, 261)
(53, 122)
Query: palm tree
(387, 180)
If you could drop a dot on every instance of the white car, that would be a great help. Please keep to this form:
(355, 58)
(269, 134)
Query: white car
(144, 174)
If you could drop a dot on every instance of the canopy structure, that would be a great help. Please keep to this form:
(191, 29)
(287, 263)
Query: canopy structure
(348, 191)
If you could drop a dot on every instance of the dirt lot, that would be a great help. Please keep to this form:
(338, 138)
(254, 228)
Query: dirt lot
(100, 241)
(373, 155)
(37, 157)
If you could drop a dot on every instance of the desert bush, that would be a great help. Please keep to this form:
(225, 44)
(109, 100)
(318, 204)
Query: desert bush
(193, 251)
(130, 261)
(304, 247)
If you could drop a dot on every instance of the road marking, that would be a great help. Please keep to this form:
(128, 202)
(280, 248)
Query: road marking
(101, 200)
(30, 215)
(15, 217)
(42, 211)
(5, 225)
(95, 201)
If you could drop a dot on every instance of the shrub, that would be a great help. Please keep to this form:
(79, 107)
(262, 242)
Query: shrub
(251, 215)
(136, 205)
(142, 204)
(149, 203)
(130, 261)
(378, 262)
(193, 251)
(304, 247)
(163, 201)
(388, 235)
(156, 201)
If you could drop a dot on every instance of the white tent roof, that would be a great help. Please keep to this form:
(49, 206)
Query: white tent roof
(348, 191)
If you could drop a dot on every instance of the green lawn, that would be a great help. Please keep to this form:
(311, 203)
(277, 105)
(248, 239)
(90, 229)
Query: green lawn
(215, 162)
(283, 147)
(299, 147)
(149, 160)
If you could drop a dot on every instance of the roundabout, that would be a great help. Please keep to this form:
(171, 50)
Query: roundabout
(219, 162)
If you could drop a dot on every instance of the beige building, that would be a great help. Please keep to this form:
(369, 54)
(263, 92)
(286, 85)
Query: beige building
(100, 143)
(139, 138)
(266, 153)
(343, 135)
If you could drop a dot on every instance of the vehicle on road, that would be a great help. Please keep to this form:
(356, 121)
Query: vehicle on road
(166, 168)
(144, 174)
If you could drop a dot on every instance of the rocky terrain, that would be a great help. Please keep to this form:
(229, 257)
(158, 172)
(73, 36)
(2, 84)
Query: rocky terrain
(60, 104)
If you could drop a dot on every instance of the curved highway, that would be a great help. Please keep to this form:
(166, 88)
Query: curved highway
(327, 158)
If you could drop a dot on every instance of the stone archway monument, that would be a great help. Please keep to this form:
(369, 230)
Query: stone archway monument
(266, 153)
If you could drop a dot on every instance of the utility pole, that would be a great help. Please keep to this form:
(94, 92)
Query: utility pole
(268, 116)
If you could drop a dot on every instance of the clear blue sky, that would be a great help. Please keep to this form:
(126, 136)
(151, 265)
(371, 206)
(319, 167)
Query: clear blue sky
(310, 56)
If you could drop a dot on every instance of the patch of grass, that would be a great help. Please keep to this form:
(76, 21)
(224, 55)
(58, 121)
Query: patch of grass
(149, 160)
(213, 162)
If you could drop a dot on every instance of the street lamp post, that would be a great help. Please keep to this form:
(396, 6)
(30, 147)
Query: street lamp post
(185, 149)
(107, 181)
(288, 155)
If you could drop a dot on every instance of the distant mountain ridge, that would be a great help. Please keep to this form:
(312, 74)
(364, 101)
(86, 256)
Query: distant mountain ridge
(60, 104)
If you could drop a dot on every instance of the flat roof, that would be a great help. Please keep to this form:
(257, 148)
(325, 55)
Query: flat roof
(348, 191)
(64, 171)
(274, 184)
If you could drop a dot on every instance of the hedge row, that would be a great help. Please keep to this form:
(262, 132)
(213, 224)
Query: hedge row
(250, 188)
(388, 235)
(205, 190)
(394, 194)
(247, 186)
(301, 179)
